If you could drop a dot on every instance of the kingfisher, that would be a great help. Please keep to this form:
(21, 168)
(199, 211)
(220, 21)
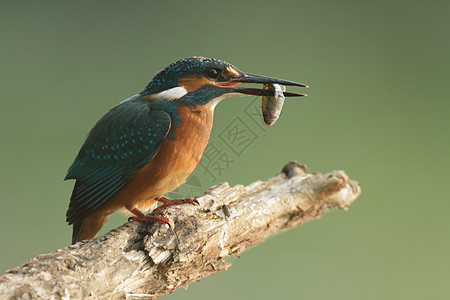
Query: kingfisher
(148, 145)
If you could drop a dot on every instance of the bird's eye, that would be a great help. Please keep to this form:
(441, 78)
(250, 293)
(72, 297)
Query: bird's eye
(212, 73)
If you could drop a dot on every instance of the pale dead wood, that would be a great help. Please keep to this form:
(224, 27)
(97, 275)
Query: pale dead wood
(148, 260)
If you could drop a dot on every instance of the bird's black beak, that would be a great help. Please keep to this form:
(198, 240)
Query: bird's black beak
(252, 78)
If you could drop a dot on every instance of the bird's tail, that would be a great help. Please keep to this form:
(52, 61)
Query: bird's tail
(88, 228)
(76, 228)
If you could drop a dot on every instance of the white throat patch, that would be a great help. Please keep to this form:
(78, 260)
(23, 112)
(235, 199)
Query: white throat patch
(170, 94)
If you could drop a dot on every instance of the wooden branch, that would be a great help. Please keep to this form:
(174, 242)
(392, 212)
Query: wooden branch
(148, 260)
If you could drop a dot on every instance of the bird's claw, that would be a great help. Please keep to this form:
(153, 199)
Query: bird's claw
(150, 218)
(169, 202)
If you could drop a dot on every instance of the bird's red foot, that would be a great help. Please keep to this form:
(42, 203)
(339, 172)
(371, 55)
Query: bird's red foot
(140, 216)
(168, 202)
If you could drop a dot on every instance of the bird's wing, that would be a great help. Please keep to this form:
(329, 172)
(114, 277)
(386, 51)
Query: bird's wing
(123, 141)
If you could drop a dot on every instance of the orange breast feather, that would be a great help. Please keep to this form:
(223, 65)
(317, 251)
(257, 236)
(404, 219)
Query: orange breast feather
(171, 166)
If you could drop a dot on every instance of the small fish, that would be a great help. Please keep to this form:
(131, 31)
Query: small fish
(272, 105)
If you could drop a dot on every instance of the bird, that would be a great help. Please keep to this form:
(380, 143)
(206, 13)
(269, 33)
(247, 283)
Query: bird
(148, 144)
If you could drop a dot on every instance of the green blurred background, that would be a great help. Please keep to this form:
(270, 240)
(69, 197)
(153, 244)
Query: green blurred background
(378, 108)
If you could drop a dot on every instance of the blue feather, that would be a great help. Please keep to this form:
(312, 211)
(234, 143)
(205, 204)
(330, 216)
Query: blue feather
(122, 142)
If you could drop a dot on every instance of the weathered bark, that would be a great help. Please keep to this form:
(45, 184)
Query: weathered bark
(148, 260)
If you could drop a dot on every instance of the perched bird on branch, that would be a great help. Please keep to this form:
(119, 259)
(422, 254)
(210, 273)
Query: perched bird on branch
(148, 145)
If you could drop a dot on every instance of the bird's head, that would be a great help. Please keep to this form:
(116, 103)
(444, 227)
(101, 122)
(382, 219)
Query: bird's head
(206, 81)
